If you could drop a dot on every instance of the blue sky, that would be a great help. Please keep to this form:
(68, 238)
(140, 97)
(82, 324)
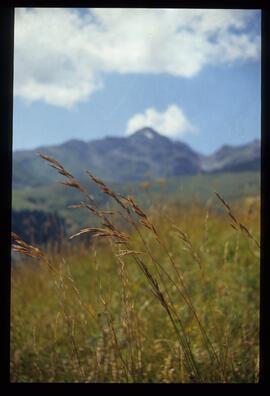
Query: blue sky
(193, 75)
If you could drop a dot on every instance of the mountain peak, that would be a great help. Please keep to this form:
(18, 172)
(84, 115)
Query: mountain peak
(148, 133)
(129, 158)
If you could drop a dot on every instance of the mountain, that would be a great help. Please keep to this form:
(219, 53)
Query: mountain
(234, 158)
(144, 154)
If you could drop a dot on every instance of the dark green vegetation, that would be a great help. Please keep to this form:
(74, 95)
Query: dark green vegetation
(169, 293)
(39, 227)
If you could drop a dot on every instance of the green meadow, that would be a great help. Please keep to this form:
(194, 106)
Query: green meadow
(166, 288)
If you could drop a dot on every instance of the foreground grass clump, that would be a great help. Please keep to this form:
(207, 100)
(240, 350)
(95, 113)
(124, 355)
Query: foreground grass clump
(167, 296)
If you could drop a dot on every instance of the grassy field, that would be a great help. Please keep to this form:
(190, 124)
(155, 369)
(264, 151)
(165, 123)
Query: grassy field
(55, 197)
(170, 294)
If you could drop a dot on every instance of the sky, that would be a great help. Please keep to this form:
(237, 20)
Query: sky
(192, 75)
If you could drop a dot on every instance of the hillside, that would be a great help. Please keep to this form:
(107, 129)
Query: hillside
(55, 198)
(234, 159)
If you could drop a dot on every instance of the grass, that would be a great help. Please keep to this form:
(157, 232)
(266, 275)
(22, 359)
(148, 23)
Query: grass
(53, 197)
(171, 295)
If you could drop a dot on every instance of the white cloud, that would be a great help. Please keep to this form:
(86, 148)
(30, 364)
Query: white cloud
(171, 123)
(61, 54)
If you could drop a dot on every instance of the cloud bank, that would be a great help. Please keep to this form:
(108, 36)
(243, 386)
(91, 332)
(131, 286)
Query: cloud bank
(62, 54)
(171, 123)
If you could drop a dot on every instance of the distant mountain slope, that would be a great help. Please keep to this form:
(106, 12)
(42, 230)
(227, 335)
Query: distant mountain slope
(145, 153)
(234, 158)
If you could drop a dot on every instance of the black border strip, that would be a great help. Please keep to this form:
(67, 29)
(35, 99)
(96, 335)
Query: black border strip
(229, 4)
(265, 204)
(6, 118)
